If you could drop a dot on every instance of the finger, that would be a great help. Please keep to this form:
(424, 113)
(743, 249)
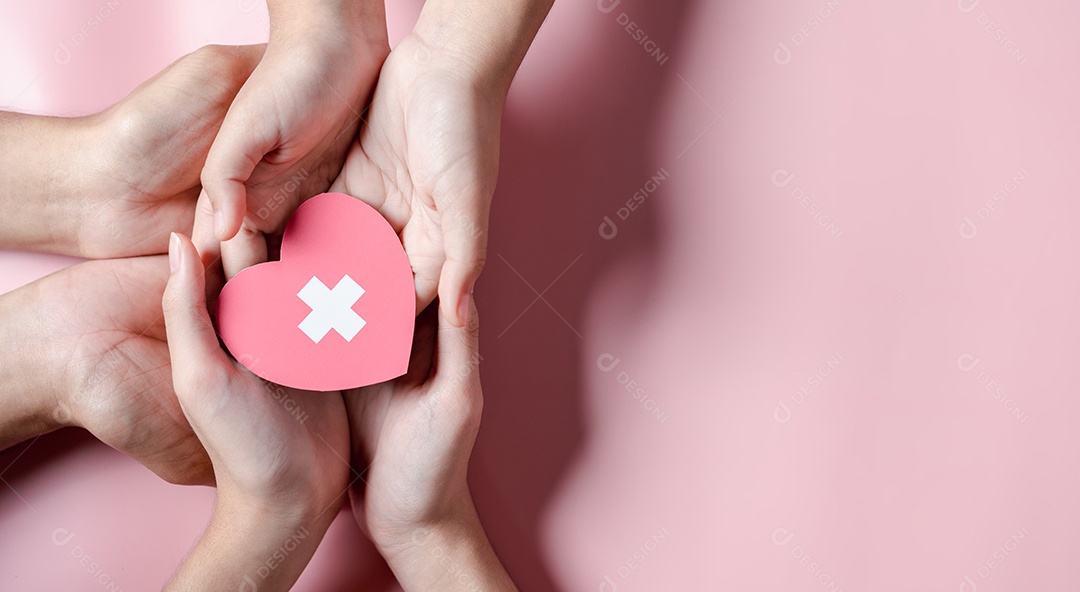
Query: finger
(245, 249)
(457, 348)
(193, 345)
(426, 280)
(202, 236)
(465, 240)
(202, 232)
(222, 63)
(240, 145)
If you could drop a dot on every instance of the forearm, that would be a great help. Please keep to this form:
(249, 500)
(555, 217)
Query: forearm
(489, 38)
(39, 181)
(452, 556)
(29, 388)
(250, 547)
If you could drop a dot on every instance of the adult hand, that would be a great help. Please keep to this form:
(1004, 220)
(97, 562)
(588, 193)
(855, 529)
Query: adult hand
(95, 331)
(116, 183)
(278, 453)
(286, 134)
(411, 442)
(158, 139)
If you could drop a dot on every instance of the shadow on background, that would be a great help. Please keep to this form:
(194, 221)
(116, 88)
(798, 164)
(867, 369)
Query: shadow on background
(21, 462)
(559, 179)
(561, 174)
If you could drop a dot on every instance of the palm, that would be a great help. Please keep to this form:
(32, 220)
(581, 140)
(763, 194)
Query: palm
(162, 131)
(106, 315)
(307, 125)
(273, 441)
(411, 438)
(267, 443)
(386, 420)
(285, 136)
(428, 147)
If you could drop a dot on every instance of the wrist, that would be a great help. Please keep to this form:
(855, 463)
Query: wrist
(392, 535)
(44, 183)
(30, 389)
(450, 554)
(484, 41)
(308, 503)
(249, 546)
(451, 49)
(95, 150)
(352, 24)
(270, 516)
(402, 539)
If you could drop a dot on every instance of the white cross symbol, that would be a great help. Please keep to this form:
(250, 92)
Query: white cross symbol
(331, 309)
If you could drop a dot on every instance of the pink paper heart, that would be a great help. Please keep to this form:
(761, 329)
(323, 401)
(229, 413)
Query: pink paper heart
(335, 312)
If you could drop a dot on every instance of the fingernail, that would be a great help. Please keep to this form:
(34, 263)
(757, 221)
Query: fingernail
(463, 308)
(174, 252)
(219, 224)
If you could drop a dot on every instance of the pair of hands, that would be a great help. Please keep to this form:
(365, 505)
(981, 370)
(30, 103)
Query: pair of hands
(283, 460)
(426, 156)
(279, 454)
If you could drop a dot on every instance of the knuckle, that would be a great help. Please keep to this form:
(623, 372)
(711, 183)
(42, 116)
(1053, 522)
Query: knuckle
(191, 384)
(171, 300)
(208, 51)
(212, 180)
(213, 56)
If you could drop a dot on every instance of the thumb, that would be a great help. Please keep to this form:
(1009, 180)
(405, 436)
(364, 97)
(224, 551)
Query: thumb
(465, 242)
(238, 148)
(193, 345)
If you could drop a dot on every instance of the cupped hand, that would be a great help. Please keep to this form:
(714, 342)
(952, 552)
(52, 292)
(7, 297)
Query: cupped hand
(287, 132)
(412, 437)
(101, 325)
(139, 170)
(427, 158)
(273, 446)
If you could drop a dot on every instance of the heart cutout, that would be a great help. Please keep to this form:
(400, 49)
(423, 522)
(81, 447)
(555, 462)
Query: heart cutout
(337, 310)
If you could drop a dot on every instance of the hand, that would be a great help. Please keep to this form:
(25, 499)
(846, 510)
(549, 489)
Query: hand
(414, 435)
(116, 183)
(287, 132)
(99, 326)
(411, 442)
(150, 148)
(428, 158)
(278, 453)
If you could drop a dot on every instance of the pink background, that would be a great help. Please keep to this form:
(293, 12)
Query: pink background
(806, 411)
